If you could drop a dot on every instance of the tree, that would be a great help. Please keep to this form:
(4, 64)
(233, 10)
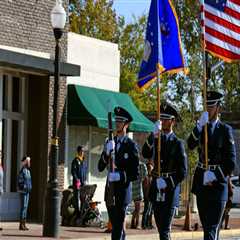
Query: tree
(131, 45)
(94, 19)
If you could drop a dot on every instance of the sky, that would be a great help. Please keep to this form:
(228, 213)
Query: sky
(128, 8)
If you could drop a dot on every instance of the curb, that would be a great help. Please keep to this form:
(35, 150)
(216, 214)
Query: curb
(174, 236)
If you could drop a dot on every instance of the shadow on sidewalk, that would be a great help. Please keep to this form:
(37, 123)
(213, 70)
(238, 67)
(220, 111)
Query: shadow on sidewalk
(22, 235)
(83, 231)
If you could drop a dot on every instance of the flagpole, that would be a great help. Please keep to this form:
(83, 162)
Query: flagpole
(158, 118)
(205, 79)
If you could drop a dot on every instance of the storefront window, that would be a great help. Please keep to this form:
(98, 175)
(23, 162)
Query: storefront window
(78, 135)
(98, 138)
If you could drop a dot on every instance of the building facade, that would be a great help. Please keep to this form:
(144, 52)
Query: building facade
(26, 91)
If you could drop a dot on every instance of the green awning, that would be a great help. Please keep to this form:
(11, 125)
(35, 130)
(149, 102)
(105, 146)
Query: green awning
(88, 106)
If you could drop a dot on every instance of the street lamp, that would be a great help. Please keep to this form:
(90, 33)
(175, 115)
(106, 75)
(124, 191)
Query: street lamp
(52, 201)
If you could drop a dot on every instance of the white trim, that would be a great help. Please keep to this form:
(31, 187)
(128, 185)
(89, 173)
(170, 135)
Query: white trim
(8, 153)
(25, 112)
(20, 117)
(66, 181)
(166, 116)
(172, 181)
(220, 170)
(26, 51)
(9, 93)
(20, 147)
(13, 115)
(1, 115)
(89, 153)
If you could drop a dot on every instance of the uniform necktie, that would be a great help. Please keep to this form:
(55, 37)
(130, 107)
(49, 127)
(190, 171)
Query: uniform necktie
(210, 129)
(118, 144)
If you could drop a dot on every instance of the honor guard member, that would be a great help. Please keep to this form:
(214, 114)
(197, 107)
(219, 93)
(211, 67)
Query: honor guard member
(126, 170)
(210, 183)
(165, 189)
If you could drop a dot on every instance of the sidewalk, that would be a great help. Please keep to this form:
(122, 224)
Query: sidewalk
(10, 231)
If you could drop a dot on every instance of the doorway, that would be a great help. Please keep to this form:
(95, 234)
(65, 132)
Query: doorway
(13, 87)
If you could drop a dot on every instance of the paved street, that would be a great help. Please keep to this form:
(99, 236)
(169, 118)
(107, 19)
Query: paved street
(223, 238)
(10, 231)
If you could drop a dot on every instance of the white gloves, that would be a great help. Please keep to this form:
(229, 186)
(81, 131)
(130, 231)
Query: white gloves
(208, 177)
(113, 177)
(203, 120)
(161, 183)
(110, 146)
(157, 127)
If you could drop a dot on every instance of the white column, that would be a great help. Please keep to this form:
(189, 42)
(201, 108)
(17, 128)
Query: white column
(66, 169)
(89, 154)
(8, 134)
(1, 115)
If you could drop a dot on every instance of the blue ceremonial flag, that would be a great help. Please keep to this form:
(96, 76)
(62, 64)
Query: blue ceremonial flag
(162, 44)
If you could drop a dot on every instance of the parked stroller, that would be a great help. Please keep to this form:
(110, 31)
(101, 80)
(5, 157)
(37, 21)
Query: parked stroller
(89, 214)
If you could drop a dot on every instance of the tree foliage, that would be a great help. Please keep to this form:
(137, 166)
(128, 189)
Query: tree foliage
(94, 19)
(98, 19)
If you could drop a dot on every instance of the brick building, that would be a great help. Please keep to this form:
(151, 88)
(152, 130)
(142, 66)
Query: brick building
(26, 91)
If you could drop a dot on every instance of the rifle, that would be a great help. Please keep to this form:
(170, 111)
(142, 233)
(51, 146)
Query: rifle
(110, 201)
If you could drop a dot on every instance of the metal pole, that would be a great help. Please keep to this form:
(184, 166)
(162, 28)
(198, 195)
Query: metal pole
(52, 204)
(205, 80)
(158, 118)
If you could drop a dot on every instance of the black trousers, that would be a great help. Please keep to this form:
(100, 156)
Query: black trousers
(210, 213)
(117, 216)
(163, 214)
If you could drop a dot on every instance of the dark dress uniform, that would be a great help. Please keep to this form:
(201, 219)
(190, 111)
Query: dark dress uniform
(173, 171)
(126, 162)
(211, 200)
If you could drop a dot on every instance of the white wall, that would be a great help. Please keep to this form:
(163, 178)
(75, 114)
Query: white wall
(99, 61)
(92, 138)
(100, 68)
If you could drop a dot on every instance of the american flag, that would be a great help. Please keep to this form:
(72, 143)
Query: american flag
(221, 28)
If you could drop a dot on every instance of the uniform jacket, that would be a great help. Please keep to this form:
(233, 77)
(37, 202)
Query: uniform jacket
(127, 163)
(24, 180)
(79, 171)
(221, 151)
(173, 160)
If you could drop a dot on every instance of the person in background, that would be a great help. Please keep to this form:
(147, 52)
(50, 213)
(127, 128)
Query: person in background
(1, 187)
(24, 187)
(148, 211)
(137, 195)
(79, 174)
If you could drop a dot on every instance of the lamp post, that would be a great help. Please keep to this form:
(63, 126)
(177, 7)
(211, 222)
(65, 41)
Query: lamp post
(52, 201)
